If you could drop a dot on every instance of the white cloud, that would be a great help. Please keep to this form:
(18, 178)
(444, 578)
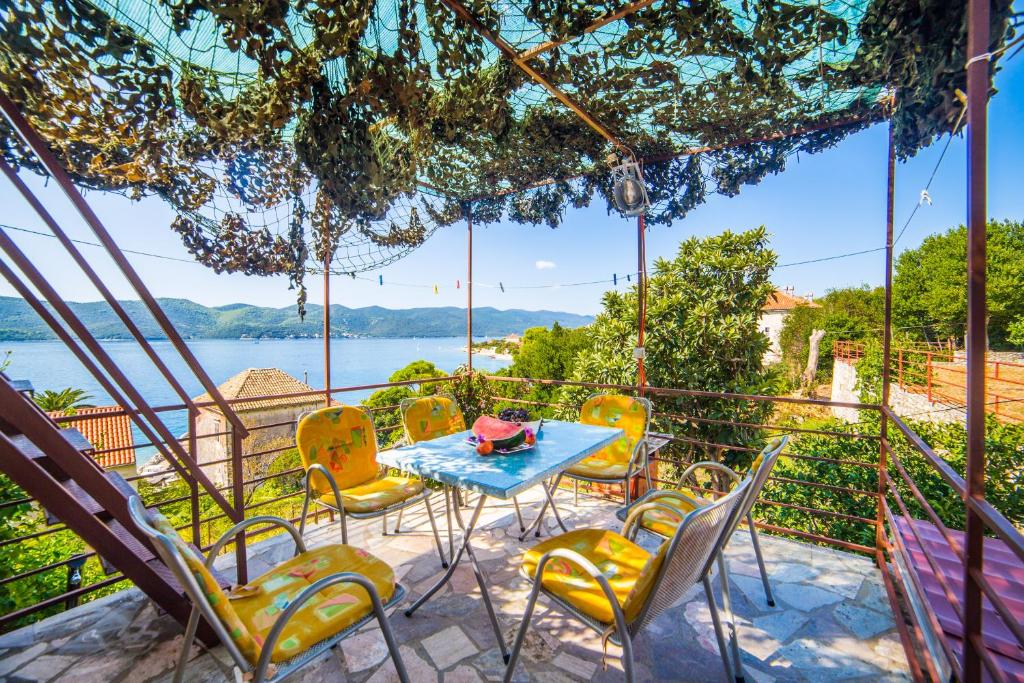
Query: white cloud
(545, 265)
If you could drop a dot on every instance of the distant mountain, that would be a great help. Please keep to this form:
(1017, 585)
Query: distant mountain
(19, 322)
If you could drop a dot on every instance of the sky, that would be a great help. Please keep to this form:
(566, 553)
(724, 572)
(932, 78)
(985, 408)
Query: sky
(821, 205)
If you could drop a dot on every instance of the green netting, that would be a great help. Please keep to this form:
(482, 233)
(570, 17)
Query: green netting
(275, 128)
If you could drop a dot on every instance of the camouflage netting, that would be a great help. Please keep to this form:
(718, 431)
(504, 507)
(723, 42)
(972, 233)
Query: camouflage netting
(276, 127)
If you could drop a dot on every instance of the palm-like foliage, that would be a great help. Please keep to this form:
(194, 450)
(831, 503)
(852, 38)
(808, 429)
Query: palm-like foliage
(66, 401)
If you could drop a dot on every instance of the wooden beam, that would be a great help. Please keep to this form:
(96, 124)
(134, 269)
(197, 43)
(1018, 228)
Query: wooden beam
(600, 23)
(508, 51)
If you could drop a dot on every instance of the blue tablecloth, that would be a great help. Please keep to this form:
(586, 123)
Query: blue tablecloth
(451, 460)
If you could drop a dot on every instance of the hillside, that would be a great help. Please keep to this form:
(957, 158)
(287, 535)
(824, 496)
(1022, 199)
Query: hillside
(19, 322)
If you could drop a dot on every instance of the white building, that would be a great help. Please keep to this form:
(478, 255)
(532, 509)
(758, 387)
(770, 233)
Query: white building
(774, 314)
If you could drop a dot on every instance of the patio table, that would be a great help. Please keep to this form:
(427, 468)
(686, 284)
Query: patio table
(456, 464)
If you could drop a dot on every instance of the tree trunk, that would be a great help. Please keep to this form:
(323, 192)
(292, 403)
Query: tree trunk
(813, 350)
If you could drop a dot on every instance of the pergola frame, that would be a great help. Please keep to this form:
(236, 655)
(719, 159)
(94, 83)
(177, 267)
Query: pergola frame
(978, 511)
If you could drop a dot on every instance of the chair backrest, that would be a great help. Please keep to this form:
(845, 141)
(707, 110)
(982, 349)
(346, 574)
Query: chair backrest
(430, 417)
(342, 439)
(757, 474)
(202, 588)
(686, 558)
(631, 414)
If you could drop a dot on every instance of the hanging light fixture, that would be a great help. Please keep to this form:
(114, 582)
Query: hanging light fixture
(629, 191)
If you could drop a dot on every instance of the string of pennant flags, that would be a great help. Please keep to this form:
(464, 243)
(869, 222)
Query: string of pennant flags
(436, 287)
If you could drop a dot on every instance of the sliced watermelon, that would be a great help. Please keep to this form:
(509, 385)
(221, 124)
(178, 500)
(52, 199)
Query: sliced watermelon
(503, 435)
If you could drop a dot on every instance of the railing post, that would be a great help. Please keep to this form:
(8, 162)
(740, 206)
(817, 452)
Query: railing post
(238, 493)
(327, 320)
(193, 486)
(880, 536)
(900, 369)
(978, 17)
(928, 377)
(469, 287)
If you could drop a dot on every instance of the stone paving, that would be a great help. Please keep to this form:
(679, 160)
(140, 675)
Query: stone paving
(832, 620)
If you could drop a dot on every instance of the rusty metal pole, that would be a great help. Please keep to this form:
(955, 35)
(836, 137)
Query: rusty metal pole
(193, 450)
(641, 291)
(977, 141)
(469, 288)
(327, 325)
(880, 537)
(238, 494)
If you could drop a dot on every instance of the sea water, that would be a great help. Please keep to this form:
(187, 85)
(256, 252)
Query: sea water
(354, 362)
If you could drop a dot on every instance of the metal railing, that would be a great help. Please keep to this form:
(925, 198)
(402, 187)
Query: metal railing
(848, 502)
(940, 375)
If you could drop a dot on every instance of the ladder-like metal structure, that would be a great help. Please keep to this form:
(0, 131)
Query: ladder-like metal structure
(54, 465)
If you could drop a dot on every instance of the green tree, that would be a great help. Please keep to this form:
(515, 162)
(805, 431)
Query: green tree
(930, 285)
(546, 354)
(66, 401)
(1015, 332)
(387, 418)
(851, 313)
(702, 333)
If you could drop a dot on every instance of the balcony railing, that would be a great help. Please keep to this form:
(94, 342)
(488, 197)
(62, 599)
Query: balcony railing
(841, 486)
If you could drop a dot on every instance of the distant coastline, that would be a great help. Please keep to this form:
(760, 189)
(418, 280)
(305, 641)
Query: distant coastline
(18, 322)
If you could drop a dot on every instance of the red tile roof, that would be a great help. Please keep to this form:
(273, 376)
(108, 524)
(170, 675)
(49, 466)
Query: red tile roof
(784, 301)
(257, 383)
(106, 432)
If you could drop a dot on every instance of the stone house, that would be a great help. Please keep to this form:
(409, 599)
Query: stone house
(271, 421)
(774, 314)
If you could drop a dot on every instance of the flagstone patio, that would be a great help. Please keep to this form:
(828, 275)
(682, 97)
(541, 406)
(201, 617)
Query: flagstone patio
(832, 621)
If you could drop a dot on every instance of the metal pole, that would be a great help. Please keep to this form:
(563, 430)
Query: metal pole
(327, 324)
(977, 141)
(469, 288)
(641, 291)
(880, 537)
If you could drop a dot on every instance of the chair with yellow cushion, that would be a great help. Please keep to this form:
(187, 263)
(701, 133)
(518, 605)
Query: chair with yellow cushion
(338, 447)
(616, 587)
(662, 521)
(617, 463)
(430, 417)
(280, 621)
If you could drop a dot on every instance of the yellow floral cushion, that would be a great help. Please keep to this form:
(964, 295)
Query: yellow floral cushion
(259, 604)
(342, 439)
(432, 417)
(376, 495)
(612, 410)
(214, 594)
(664, 522)
(630, 571)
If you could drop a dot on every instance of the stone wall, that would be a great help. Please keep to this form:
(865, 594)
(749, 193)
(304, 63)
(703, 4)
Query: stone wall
(904, 403)
(282, 433)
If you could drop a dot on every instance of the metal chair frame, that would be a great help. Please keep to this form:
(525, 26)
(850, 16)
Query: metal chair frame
(759, 478)
(171, 556)
(638, 464)
(312, 496)
(670, 579)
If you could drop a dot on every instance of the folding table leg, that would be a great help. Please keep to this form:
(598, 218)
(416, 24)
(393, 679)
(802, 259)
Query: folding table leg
(467, 549)
(549, 494)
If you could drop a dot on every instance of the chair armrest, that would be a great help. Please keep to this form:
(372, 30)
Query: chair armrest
(640, 448)
(326, 474)
(637, 512)
(707, 465)
(267, 649)
(300, 546)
